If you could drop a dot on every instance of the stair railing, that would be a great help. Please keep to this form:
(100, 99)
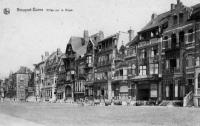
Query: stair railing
(187, 98)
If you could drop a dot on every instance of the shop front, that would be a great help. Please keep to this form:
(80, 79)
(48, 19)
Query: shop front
(89, 92)
(123, 90)
(100, 90)
(147, 90)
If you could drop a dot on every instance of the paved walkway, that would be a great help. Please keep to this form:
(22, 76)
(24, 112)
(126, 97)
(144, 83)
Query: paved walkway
(6, 120)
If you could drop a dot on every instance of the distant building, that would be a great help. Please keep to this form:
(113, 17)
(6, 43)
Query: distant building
(22, 79)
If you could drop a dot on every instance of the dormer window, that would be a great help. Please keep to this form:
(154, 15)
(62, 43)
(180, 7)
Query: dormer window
(175, 18)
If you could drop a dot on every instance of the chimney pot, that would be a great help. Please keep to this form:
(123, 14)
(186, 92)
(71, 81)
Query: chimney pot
(131, 34)
(153, 16)
(58, 50)
(86, 37)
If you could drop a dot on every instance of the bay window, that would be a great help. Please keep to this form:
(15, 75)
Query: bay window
(89, 60)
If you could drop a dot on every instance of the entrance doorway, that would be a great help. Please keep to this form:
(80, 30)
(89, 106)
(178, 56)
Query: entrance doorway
(143, 94)
(171, 92)
(68, 91)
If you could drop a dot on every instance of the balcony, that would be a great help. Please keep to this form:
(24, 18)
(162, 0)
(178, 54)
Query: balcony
(151, 76)
(120, 78)
(142, 61)
(154, 59)
(69, 67)
(130, 56)
(173, 47)
(88, 65)
(172, 70)
(119, 58)
(148, 42)
(198, 91)
(70, 56)
(190, 69)
(104, 63)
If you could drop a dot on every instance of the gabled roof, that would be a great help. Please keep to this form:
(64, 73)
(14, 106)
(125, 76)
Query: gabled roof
(196, 8)
(76, 42)
(111, 36)
(157, 21)
(82, 50)
(134, 41)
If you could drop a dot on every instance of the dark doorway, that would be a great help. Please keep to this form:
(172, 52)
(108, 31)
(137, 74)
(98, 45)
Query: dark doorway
(68, 91)
(143, 94)
(143, 91)
(171, 92)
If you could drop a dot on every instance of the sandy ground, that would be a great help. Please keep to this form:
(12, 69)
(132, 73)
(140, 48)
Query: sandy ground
(54, 114)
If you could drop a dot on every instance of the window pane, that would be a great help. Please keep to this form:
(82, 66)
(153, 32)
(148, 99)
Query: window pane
(176, 89)
(190, 35)
(156, 68)
(151, 69)
(167, 90)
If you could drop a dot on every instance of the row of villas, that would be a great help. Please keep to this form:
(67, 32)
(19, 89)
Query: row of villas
(160, 63)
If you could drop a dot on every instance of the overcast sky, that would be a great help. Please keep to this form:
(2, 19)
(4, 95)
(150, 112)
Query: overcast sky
(24, 37)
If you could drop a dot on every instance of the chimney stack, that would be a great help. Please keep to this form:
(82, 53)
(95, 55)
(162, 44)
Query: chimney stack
(131, 34)
(172, 7)
(42, 56)
(153, 16)
(86, 37)
(46, 55)
(58, 51)
(101, 35)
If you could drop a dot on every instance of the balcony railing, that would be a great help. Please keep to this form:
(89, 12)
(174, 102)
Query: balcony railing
(187, 98)
(149, 42)
(172, 70)
(130, 55)
(146, 76)
(70, 56)
(88, 65)
(198, 91)
(143, 61)
(119, 57)
(120, 78)
(104, 63)
(70, 66)
(153, 59)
